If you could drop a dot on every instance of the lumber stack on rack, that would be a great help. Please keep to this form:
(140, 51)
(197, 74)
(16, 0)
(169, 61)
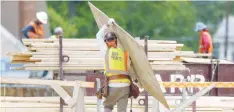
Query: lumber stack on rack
(51, 104)
(84, 55)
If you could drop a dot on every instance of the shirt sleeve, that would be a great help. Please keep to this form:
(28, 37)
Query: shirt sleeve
(100, 38)
(26, 30)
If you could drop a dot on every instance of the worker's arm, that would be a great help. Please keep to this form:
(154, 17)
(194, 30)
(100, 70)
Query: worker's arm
(100, 38)
(28, 32)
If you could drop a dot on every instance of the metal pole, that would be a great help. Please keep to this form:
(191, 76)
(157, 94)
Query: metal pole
(226, 33)
(194, 103)
(98, 100)
(61, 77)
(146, 93)
(216, 77)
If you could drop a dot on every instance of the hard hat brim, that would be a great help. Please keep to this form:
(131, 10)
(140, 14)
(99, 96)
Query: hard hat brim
(40, 19)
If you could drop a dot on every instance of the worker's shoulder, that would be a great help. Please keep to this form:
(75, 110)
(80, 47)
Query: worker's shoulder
(28, 28)
(206, 33)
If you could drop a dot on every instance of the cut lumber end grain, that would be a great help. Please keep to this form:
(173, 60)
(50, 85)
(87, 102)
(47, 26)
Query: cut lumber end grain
(26, 61)
(20, 58)
(177, 58)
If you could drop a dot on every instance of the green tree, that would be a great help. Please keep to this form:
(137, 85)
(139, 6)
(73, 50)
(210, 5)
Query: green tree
(57, 20)
(164, 20)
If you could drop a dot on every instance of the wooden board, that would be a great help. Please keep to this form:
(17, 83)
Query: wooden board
(95, 48)
(99, 56)
(18, 58)
(24, 61)
(19, 54)
(65, 68)
(78, 59)
(140, 62)
(42, 103)
(203, 60)
(44, 82)
(91, 41)
(91, 67)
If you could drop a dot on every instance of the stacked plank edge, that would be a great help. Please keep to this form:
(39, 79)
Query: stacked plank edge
(84, 55)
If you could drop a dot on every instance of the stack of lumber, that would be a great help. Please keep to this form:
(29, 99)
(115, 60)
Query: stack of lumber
(51, 104)
(84, 54)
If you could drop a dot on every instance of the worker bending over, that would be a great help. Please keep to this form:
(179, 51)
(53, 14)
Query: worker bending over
(116, 70)
(35, 28)
(35, 31)
(205, 43)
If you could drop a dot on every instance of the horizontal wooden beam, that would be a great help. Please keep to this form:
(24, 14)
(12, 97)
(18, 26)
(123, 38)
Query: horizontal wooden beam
(150, 57)
(197, 84)
(99, 62)
(90, 41)
(204, 60)
(52, 102)
(45, 82)
(18, 54)
(78, 59)
(97, 54)
(88, 67)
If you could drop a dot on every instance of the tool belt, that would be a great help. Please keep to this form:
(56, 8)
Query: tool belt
(134, 90)
(115, 77)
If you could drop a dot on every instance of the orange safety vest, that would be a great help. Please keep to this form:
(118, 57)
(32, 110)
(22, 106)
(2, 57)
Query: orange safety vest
(202, 48)
(39, 31)
(116, 62)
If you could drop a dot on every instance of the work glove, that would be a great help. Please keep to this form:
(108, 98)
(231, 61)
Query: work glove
(111, 21)
(99, 93)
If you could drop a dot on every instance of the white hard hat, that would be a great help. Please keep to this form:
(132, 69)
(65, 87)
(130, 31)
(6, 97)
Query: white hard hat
(200, 26)
(58, 30)
(42, 17)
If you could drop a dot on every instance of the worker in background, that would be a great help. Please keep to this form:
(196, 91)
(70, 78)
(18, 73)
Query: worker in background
(35, 31)
(35, 28)
(205, 43)
(58, 31)
(115, 68)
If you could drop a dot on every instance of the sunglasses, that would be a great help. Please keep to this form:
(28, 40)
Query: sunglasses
(109, 39)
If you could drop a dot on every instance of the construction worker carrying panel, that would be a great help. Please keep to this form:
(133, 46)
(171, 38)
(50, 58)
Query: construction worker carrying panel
(58, 31)
(35, 28)
(118, 83)
(205, 43)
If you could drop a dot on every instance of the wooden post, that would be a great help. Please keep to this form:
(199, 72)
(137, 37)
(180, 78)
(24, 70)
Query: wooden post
(61, 77)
